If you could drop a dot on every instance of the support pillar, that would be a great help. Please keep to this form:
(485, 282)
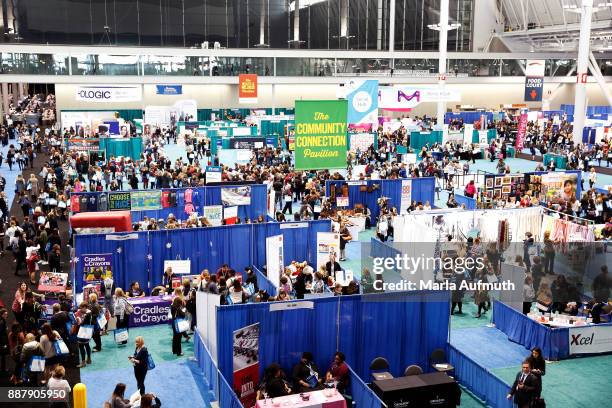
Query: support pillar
(582, 66)
(379, 24)
(296, 24)
(5, 97)
(344, 24)
(392, 25)
(262, 23)
(442, 61)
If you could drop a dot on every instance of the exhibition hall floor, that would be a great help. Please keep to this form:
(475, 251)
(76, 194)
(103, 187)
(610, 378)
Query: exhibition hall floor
(177, 381)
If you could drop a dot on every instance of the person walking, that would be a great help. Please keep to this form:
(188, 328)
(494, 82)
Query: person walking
(121, 310)
(524, 387)
(84, 318)
(140, 360)
(178, 312)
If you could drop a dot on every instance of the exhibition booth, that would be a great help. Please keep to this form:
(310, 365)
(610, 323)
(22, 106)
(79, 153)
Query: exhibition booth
(400, 192)
(143, 256)
(216, 203)
(559, 336)
(402, 327)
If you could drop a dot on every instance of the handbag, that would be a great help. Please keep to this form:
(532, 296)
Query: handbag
(37, 364)
(150, 362)
(61, 349)
(101, 321)
(181, 325)
(85, 332)
(129, 309)
(121, 335)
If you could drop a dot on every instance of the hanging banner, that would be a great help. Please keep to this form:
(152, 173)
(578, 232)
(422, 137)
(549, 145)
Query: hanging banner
(247, 88)
(406, 97)
(534, 80)
(327, 243)
(246, 364)
(590, 340)
(406, 195)
(144, 200)
(236, 195)
(362, 99)
(169, 89)
(82, 145)
(97, 266)
(320, 135)
(127, 93)
(521, 133)
(275, 263)
(214, 214)
(119, 201)
(247, 142)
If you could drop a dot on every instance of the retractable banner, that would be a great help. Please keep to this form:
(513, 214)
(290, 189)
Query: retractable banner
(246, 363)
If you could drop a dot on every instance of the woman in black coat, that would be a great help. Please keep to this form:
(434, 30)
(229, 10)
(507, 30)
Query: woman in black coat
(140, 360)
(55, 259)
(538, 367)
(178, 312)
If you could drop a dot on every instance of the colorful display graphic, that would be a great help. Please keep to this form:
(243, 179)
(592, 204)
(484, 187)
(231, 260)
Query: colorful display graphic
(97, 266)
(246, 363)
(119, 201)
(247, 88)
(320, 134)
(146, 200)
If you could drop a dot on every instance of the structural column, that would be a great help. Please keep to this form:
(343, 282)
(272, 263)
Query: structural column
(582, 66)
(344, 24)
(262, 23)
(392, 25)
(5, 99)
(296, 24)
(442, 62)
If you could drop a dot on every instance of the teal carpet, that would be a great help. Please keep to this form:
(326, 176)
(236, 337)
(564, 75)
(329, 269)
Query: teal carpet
(177, 381)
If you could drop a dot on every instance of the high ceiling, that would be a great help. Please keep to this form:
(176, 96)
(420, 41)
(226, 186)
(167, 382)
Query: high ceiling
(553, 25)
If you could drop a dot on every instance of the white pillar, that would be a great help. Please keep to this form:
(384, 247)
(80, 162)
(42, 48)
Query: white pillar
(392, 25)
(379, 24)
(442, 62)
(582, 66)
(5, 98)
(273, 99)
(296, 24)
(344, 13)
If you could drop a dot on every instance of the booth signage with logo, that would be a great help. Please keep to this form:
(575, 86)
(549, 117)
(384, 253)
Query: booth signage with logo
(590, 339)
(103, 94)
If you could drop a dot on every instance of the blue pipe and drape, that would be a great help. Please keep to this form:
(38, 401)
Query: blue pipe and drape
(242, 245)
(403, 327)
(422, 190)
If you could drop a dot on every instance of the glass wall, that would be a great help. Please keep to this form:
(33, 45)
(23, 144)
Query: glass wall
(34, 64)
(323, 24)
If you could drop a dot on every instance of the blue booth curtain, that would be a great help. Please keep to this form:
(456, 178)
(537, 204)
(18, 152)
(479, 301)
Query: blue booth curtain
(239, 246)
(362, 395)
(403, 327)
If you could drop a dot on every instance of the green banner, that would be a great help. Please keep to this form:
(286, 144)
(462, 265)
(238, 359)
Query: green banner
(320, 134)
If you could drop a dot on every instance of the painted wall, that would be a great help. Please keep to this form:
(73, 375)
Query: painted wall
(484, 95)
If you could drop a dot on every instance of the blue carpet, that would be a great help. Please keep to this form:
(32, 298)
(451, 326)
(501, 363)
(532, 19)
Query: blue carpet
(178, 383)
(488, 347)
(10, 176)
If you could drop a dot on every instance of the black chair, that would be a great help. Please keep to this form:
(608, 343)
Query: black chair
(439, 362)
(380, 369)
(413, 370)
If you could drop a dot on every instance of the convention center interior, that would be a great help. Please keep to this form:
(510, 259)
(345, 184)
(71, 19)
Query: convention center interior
(305, 203)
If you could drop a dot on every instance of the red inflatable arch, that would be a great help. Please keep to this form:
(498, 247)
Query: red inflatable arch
(120, 220)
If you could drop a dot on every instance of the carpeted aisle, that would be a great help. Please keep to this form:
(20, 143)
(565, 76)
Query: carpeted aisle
(574, 383)
(177, 381)
(488, 346)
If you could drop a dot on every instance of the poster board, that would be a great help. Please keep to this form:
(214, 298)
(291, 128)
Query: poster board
(52, 282)
(214, 214)
(327, 242)
(246, 363)
(97, 266)
(179, 267)
(274, 258)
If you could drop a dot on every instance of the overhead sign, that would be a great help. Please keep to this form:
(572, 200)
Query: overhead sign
(103, 94)
(169, 89)
(521, 133)
(247, 88)
(590, 339)
(119, 201)
(405, 97)
(83, 145)
(534, 80)
(362, 99)
(320, 134)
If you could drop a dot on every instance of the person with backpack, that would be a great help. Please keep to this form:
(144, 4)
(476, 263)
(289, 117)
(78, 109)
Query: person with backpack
(83, 318)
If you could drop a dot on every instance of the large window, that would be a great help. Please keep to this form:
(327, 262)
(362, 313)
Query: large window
(312, 24)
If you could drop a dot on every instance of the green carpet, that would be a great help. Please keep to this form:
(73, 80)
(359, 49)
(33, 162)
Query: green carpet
(573, 383)
(158, 340)
(468, 318)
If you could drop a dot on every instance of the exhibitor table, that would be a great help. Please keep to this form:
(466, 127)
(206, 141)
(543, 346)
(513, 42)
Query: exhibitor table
(149, 311)
(425, 390)
(317, 399)
(556, 342)
(560, 161)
